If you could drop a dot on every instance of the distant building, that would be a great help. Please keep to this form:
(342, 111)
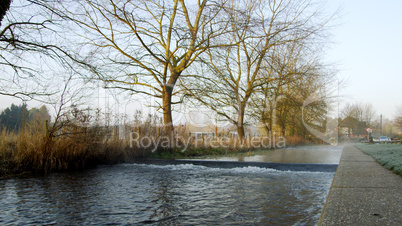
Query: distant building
(199, 135)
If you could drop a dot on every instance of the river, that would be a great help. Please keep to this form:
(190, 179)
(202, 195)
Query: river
(166, 195)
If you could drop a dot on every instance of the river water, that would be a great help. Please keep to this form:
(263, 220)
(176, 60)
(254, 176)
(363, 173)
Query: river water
(303, 154)
(182, 194)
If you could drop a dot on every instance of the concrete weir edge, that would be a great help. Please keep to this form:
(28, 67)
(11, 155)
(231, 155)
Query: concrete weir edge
(312, 167)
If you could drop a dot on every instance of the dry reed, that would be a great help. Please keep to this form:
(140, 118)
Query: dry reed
(39, 151)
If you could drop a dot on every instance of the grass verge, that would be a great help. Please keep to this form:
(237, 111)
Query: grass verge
(388, 155)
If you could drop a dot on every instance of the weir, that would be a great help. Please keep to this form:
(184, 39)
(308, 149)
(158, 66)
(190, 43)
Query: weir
(310, 167)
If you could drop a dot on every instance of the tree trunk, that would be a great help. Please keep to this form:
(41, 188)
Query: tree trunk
(240, 126)
(167, 111)
(240, 133)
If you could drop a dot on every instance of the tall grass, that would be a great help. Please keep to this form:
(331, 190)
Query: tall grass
(38, 153)
(68, 147)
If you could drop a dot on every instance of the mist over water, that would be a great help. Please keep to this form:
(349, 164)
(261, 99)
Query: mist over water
(303, 154)
(170, 194)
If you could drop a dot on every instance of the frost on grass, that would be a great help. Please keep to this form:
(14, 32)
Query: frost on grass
(388, 155)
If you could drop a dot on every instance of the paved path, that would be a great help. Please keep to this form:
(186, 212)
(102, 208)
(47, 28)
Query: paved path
(363, 193)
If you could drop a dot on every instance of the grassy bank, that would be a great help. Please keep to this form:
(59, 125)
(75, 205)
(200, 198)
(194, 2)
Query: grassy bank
(35, 153)
(388, 155)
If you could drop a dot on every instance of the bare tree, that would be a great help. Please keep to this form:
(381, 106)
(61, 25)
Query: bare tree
(357, 117)
(363, 112)
(293, 76)
(16, 44)
(32, 51)
(70, 93)
(368, 113)
(235, 73)
(144, 46)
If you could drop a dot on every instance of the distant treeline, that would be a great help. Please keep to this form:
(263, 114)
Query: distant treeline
(15, 117)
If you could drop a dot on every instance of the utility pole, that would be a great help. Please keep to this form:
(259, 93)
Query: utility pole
(381, 125)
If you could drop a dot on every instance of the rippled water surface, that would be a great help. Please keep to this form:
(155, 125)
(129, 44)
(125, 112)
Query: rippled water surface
(170, 194)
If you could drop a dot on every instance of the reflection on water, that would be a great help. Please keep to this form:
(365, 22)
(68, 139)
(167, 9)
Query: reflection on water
(167, 195)
(305, 154)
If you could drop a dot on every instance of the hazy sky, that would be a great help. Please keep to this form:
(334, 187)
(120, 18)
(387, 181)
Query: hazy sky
(367, 50)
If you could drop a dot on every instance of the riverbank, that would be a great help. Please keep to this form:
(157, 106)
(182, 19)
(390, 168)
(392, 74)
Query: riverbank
(362, 193)
(39, 152)
(28, 154)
